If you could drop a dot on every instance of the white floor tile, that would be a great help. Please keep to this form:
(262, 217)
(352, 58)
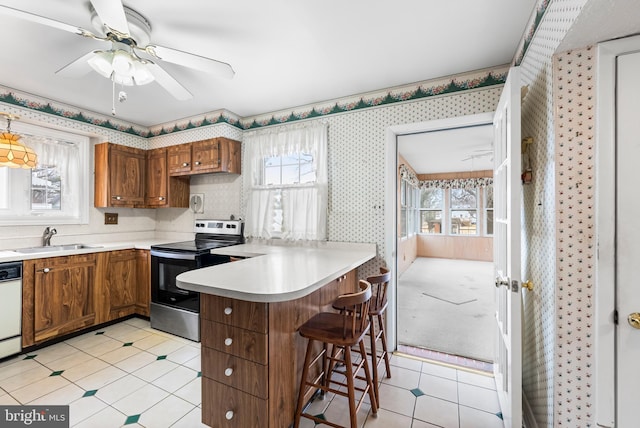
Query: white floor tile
(192, 391)
(135, 335)
(117, 331)
(120, 388)
(62, 396)
(17, 367)
(175, 379)
(25, 378)
(439, 370)
(72, 360)
(404, 362)
(100, 378)
(140, 400)
(477, 379)
(153, 371)
(166, 412)
(397, 400)
(436, 411)
(84, 369)
(83, 408)
(87, 340)
(165, 348)
(136, 362)
(420, 424)
(138, 322)
(471, 418)
(103, 347)
(478, 398)
(120, 354)
(338, 412)
(403, 378)
(387, 419)
(105, 418)
(183, 354)
(193, 363)
(439, 387)
(193, 419)
(8, 400)
(149, 341)
(54, 352)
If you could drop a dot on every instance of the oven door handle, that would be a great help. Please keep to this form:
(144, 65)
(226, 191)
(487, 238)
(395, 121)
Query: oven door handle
(175, 256)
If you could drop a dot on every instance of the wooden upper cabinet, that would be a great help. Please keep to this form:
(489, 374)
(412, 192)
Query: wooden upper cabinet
(203, 157)
(120, 174)
(163, 190)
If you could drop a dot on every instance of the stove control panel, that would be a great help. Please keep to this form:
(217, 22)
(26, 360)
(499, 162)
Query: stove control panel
(219, 227)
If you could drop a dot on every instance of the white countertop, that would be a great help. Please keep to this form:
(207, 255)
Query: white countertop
(12, 256)
(276, 273)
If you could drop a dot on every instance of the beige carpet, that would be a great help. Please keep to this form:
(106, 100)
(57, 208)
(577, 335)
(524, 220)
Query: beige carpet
(448, 306)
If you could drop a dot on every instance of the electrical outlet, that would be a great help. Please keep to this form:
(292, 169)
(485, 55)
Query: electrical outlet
(110, 218)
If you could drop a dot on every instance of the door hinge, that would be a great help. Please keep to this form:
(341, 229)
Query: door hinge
(615, 317)
(515, 286)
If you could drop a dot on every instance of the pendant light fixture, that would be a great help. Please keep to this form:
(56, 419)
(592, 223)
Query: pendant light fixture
(13, 153)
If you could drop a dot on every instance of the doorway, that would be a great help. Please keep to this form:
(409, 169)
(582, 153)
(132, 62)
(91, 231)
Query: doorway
(444, 289)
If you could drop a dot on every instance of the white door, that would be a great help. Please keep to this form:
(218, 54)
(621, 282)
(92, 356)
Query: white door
(506, 243)
(627, 239)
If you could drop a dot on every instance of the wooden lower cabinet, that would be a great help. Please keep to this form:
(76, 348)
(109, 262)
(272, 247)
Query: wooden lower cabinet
(58, 296)
(62, 295)
(143, 289)
(252, 356)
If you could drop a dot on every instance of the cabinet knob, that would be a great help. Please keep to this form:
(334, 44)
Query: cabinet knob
(117, 198)
(228, 341)
(161, 198)
(185, 163)
(229, 415)
(228, 310)
(46, 270)
(198, 162)
(228, 371)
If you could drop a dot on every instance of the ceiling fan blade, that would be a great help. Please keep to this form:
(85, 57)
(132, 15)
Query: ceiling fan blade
(6, 10)
(78, 68)
(190, 60)
(170, 84)
(111, 12)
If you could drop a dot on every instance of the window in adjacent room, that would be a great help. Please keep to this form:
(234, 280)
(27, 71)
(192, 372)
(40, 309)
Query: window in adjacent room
(431, 210)
(488, 210)
(56, 190)
(463, 211)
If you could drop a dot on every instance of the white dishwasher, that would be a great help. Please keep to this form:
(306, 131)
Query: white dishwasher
(10, 308)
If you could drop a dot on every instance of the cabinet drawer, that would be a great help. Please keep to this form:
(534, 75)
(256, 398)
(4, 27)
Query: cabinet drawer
(238, 313)
(237, 372)
(235, 341)
(230, 408)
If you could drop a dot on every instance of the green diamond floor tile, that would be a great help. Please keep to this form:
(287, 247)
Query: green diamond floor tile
(199, 374)
(56, 373)
(161, 357)
(30, 357)
(90, 393)
(99, 332)
(417, 392)
(128, 344)
(132, 419)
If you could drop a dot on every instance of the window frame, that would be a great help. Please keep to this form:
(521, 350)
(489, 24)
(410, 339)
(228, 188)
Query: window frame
(14, 216)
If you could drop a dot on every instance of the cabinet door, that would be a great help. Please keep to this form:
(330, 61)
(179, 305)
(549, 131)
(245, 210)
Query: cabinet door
(229, 155)
(179, 159)
(120, 283)
(143, 291)
(63, 295)
(127, 176)
(206, 156)
(157, 178)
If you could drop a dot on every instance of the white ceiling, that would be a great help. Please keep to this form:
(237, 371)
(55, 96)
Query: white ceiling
(451, 150)
(285, 53)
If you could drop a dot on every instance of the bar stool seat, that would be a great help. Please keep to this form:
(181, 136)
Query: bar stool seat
(338, 333)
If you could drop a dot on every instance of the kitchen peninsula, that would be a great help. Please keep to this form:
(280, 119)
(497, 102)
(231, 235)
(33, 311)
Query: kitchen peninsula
(250, 313)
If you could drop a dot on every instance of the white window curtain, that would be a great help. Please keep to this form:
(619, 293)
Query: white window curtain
(288, 211)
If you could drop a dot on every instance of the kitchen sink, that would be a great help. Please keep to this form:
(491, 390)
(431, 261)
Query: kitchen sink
(55, 248)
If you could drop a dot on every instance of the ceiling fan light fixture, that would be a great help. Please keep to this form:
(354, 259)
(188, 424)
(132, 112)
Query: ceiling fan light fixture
(121, 67)
(101, 62)
(141, 74)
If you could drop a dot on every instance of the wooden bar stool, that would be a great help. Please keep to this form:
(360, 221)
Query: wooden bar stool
(340, 331)
(377, 309)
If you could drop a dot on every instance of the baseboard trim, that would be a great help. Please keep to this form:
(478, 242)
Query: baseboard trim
(528, 419)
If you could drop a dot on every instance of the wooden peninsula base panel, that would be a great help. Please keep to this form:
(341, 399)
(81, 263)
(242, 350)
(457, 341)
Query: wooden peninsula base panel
(252, 356)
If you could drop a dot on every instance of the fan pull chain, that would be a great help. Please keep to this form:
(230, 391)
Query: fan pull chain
(113, 97)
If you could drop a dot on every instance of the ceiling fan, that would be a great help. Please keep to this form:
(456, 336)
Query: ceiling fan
(482, 153)
(131, 58)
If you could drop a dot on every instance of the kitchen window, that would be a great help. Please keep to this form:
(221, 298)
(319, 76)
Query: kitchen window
(287, 185)
(56, 190)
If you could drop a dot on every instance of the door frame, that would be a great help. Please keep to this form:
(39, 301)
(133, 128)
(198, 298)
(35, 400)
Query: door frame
(605, 182)
(390, 197)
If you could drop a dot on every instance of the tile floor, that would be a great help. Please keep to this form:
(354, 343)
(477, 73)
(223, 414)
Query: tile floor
(130, 375)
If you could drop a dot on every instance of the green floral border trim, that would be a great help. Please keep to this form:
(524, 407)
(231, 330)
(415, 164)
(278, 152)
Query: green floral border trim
(534, 22)
(348, 104)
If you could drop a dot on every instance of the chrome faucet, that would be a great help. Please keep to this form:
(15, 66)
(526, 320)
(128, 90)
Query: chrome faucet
(46, 236)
